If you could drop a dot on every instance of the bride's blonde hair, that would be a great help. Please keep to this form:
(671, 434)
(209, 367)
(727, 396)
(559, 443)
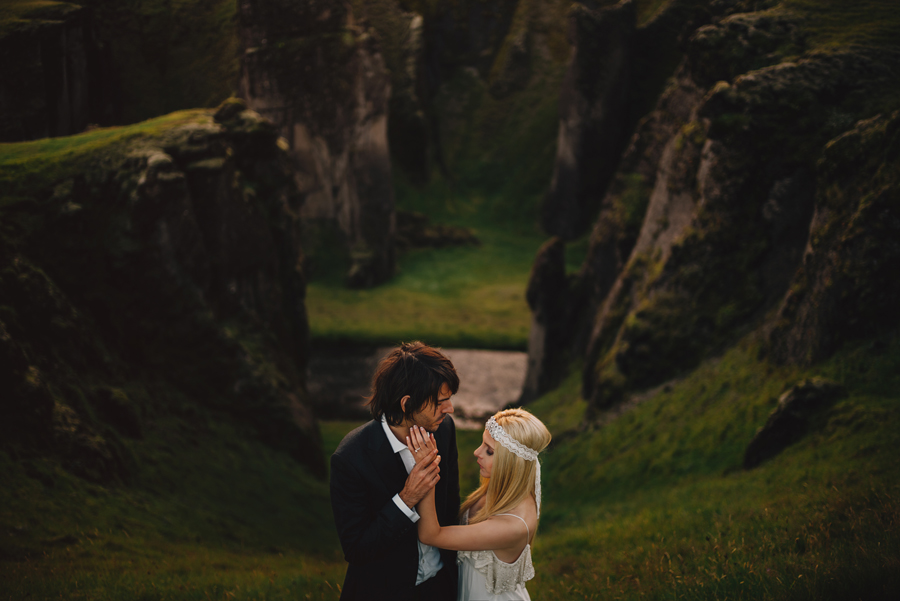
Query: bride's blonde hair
(512, 478)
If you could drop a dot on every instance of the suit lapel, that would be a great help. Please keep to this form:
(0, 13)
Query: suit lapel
(388, 464)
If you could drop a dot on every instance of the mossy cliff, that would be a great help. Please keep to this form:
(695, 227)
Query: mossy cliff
(743, 163)
(107, 62)
(149, 271)
(474, 91)
(318, 75)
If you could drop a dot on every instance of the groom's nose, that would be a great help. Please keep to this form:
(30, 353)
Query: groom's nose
(447, 407)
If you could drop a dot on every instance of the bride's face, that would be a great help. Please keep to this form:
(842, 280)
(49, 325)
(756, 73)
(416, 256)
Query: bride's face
(484, 454)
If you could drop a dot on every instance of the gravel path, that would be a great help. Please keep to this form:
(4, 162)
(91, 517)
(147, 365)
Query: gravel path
(338, 383)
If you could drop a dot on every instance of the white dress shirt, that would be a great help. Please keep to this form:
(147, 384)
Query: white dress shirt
(429, 557)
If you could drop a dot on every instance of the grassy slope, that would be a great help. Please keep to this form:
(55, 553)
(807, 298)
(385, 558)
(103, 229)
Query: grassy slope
(655, 504)
(208, 512)
(652, 505)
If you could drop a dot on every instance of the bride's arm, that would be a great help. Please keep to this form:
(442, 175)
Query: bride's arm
(499, 532)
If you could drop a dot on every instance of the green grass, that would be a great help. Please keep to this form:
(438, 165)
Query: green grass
(455, 297)
(16, 154)
(31, 170)
(209, 512)
(655, 505)
(651, 505)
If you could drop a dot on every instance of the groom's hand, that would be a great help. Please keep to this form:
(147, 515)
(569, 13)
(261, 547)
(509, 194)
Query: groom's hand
(421, 479)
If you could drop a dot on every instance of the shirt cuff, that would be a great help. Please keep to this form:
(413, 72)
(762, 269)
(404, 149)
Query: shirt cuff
(412, 514)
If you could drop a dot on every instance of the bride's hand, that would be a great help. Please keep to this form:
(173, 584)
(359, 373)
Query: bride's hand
(421, 443)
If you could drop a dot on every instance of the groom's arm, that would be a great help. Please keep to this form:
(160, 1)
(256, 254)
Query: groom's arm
(367, 532)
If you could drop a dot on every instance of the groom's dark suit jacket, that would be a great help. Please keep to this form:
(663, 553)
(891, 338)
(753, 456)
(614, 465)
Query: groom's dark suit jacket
(379, 541)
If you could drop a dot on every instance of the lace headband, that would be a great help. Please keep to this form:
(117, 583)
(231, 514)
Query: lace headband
(514, 446)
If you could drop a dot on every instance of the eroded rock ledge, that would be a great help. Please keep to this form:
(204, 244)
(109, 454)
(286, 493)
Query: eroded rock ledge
(154, 272)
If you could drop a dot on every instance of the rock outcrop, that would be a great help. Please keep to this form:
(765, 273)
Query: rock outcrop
(703, 226)
(318, 75)
(790, 420)
(148, 270)
(846, 287)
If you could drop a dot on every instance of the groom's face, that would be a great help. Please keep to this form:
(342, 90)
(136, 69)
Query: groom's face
(432, 415)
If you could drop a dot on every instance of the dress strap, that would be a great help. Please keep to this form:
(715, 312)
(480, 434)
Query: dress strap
(527, 529)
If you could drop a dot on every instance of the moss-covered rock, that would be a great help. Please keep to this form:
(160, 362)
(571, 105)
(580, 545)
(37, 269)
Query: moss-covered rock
(846, 287)
(155, 262)
(722, 176)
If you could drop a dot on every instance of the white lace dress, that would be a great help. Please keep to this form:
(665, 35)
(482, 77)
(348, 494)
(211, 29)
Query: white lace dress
(483, 577)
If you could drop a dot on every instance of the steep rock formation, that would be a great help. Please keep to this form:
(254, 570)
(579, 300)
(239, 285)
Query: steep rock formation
(51, 74)
(400, 35)
(148, 270)
(318, 75)
(473, 88)
(847, 287)
(549, 296)
(592, 124)
(703, 226)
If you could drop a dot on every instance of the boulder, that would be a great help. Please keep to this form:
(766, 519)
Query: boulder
(790, 420)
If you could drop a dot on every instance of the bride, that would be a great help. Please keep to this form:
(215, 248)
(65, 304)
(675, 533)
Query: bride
(500, 518)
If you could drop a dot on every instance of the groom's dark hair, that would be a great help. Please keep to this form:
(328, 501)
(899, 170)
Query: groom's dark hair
(413, 369)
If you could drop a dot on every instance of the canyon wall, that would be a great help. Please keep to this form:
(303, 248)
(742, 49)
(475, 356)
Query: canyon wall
(737, 204)
(317, 74)
(149, 271)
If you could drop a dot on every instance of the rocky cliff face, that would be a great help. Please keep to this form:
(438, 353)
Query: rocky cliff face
(317, 74)
(702, 228)
(51, 74)
(150, 272)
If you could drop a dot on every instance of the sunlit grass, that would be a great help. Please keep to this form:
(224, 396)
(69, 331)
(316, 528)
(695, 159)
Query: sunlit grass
(454, 297)
(64, 147)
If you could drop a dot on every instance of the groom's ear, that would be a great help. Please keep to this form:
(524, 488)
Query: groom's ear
(403, 404)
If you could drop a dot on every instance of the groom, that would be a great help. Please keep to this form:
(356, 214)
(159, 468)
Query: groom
(375, 482)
